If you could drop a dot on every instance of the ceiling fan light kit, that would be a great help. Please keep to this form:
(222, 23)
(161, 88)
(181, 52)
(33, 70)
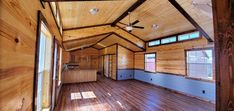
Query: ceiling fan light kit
(129, 27)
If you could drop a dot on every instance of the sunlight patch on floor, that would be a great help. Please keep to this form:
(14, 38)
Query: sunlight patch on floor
(82, 95)
(88, 95)
(76, 96)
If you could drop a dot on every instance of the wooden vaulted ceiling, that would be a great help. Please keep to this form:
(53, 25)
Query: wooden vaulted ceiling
(162, 13)
(75, 18)
(76, 14)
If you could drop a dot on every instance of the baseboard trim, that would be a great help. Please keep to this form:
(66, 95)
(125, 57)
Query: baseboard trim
(177, 92)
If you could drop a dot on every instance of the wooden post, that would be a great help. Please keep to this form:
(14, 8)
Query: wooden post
(224, 49)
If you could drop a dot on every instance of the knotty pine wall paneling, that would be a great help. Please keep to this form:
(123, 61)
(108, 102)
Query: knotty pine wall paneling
(65, 57)
(125, 58)
(125, 63)
(108, 50)
(86, 58)
(18, 28)
(171, 57)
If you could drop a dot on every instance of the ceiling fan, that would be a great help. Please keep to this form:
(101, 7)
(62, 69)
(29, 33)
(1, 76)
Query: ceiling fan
(129, 27)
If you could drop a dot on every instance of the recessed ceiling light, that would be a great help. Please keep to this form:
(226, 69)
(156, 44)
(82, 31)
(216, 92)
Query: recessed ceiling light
(155, 26)
(93, 11)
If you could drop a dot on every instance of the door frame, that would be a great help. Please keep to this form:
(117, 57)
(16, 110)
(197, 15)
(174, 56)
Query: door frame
(40, 19)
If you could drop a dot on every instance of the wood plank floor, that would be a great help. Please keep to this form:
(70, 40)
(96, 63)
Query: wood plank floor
(129, 95)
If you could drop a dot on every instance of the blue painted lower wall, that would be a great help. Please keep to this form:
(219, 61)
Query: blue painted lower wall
(179, 83)
(174, 82)
(124, 74)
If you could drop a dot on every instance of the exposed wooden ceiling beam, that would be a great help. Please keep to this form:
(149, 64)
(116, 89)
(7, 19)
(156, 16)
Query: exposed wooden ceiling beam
(89, 37)
(126, 48)
(130, 9)
(76, 0)
(94, 48)
(128, 41)
(102, 39)
(87, 32)
(130, 33)
(75, 49)
(90, 26)
(78, 48)
(190, 19)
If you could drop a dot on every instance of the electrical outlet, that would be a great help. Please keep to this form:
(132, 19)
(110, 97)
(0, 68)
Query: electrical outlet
(203, 91)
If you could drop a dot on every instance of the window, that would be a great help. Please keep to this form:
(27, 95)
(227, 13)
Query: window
(168, 40)
(189, 36)
(43, 66)
(175, 38)
(200, 63)
(150, 64)
(154, 43)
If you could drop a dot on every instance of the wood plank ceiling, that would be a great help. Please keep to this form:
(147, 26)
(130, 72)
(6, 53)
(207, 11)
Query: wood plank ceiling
(76, 14)
(161, 13)
(202, 14)
(75, 17)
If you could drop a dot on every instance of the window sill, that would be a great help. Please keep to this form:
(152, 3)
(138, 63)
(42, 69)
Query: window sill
(200, 79)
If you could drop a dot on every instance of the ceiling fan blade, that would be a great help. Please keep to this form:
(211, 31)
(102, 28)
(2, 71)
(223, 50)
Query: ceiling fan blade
(135, 22)
(139, 27)
(123, 23)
